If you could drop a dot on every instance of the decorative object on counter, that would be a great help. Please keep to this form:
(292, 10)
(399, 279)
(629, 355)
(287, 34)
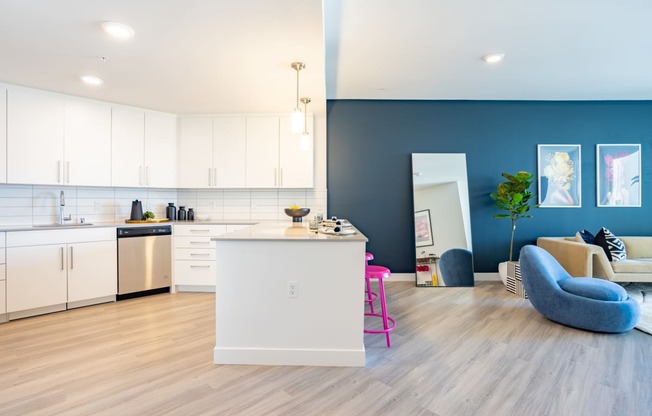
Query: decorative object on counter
(148, 215)
(191, 214)
(181, 216)
(297, 213)
(319, 217)
(313, 225)
(136, 210)
(171, 211)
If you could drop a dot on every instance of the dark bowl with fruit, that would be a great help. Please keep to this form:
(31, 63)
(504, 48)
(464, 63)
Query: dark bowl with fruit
(297, 213)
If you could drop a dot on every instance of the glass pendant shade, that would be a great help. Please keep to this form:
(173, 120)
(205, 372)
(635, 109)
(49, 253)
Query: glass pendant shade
(297, 121)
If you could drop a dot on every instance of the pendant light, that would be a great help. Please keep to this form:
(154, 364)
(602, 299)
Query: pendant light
(305, 136)
(297, 116)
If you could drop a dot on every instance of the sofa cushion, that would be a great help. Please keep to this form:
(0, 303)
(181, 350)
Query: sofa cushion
(585, 236)
(643, 265)
(597, 289)
(613, 247)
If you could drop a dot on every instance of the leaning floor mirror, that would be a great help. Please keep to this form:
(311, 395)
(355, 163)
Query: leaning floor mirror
(442, 220)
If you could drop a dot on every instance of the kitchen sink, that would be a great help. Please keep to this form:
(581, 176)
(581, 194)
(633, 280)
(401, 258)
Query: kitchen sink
(61, 225)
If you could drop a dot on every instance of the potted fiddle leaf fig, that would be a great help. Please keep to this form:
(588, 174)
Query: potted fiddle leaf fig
(514, 197)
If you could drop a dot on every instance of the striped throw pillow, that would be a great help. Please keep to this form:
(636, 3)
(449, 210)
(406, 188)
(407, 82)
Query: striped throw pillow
(612, 245)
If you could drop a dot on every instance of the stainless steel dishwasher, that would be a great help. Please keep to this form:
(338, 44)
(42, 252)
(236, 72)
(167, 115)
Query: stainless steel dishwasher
(144, 261)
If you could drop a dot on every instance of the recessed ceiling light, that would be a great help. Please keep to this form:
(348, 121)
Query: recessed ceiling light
(118, 30)
(92, 80)
(492, 58)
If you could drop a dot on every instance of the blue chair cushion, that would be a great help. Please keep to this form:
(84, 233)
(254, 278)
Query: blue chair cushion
(597, 289)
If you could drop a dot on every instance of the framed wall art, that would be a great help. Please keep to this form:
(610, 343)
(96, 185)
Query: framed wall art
(618, 175)
(559, 175)
(423, 228)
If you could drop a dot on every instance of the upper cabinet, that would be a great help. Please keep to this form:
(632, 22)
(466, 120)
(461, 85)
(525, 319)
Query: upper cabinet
(247, 152)
(144, 148)
(35, 125)
(57, 140)
(87, 142)
(3, 134)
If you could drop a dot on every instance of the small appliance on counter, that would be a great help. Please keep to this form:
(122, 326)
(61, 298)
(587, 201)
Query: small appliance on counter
(136, 210)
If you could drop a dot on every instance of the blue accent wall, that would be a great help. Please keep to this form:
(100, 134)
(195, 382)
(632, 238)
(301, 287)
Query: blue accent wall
(369, 166)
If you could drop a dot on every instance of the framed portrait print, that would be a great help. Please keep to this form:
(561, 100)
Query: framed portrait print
(559, 175)
(618, 175)
(423, 228)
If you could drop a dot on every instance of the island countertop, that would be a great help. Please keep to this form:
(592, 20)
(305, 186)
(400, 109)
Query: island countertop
(287, 230)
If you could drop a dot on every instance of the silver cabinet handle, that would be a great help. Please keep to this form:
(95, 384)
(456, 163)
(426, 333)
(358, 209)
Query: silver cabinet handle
(147, 175)
(192, 266)
(209, 177)
(62, 267)
(214, 176)
(275, 177)
(58, 171)
(200, 242)
(200, 254)
(71, 259)
(68, 172)
(199, 231)
(140, 175)
(281, 176)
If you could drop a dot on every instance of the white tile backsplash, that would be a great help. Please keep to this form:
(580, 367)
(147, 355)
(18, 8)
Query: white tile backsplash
(37, 204)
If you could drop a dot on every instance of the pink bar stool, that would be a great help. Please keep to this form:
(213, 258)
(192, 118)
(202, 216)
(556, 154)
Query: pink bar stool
(370, 295)
(380, 273)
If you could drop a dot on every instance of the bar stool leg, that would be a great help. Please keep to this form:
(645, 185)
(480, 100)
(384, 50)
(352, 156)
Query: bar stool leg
(370, 297)
(383, 308)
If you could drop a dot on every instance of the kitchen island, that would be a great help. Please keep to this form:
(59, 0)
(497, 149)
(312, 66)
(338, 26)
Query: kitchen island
(288, 296)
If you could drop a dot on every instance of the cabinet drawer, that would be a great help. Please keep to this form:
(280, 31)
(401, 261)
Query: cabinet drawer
(43, 237)
(188, 230)
(194, 242)
(200, 273)
(194, 254)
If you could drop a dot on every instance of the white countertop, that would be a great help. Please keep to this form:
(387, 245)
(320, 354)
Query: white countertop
(286, 230)
(120, 224)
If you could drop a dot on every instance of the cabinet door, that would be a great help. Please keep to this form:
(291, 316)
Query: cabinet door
(35, 284)
(195, 153)
(160, 150)
(128, 146)
(34, 136)
(229, 144)
(87, 143)
(92, 270)
(3, 134)
(296, 160)
(262, 152)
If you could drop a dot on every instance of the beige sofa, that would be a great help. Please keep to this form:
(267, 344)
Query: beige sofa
(583, 260)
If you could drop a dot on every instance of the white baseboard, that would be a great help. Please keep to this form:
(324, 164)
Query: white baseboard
(410, 277)
(278, 356)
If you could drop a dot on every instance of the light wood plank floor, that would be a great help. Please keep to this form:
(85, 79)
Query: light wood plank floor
(456, 351)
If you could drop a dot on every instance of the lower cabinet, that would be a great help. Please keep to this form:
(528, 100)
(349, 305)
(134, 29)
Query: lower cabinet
(54, 270)
(194, 255)
(3, 283)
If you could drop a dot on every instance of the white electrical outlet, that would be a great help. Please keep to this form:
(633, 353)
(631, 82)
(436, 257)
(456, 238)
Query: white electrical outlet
(293, 289)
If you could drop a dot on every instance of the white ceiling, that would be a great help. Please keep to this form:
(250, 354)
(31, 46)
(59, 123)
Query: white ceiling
(214, 56)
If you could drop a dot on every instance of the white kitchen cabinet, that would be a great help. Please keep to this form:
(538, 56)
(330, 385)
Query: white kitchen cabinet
(36, 284)
(92, 270)
(74, 268)
(87, 142)
(194, 255)
(195, 153)
(143, 148)
(160, 160)
(3, 134)
(35, 136)
(127, 147)
(296, 160)
(262, 170)
(229, 147)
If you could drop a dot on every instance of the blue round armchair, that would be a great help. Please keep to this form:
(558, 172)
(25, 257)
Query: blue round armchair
(586, 303)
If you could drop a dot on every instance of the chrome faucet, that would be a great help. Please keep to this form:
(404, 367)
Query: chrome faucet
(62, 203)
